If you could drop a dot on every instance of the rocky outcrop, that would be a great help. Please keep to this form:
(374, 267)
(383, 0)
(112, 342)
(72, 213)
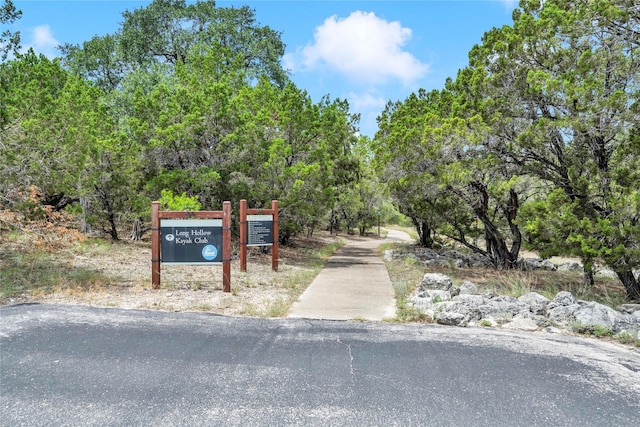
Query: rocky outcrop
(447, 304)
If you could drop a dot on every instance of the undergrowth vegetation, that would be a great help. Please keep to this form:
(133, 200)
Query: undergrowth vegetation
(406, 274)
(37, 256)
(409, 272)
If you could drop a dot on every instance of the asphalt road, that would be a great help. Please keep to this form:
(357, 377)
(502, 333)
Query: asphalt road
(71, 365)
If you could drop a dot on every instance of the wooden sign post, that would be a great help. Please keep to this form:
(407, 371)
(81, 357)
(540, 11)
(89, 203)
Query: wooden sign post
(258, 227)
(185, 237)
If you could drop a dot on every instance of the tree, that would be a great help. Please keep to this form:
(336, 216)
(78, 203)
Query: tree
(302, 150)
(169, 75)
(443, 177)
(9, 40)
(183, 98)
(29, 151)
(560, 91)
(59, 136)
(359, 203)
(98, 60)
(170, 32)
(401, 159)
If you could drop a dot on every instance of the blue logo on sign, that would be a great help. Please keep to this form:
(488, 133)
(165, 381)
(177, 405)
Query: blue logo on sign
(209, 252)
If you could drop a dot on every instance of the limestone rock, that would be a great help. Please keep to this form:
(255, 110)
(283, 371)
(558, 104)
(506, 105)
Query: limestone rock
(468, 288)
(465, 305)
(594, 313)
(536, 302)
(529, 264)
(435, 295)
(436, 281)
(420, 303)
(502, 308)
(562, 314)
(562, 298)
(629, 309)
(451, 318)
(605, 272)
(627, 322)
(570, 266)
(470, 300)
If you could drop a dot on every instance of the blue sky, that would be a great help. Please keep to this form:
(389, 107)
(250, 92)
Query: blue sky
(368, 52)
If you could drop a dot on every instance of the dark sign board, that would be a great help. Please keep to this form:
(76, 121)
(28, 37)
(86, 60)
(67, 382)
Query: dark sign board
(191, 241)
(260, 230)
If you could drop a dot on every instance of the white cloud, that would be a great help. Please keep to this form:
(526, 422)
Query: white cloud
(364, 48)
(289, 61)
(366, 101)
(41, 40)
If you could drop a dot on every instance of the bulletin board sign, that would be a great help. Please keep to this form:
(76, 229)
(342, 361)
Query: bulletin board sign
(191, 241)
(187, 237)
(259, 230)
(258, 227)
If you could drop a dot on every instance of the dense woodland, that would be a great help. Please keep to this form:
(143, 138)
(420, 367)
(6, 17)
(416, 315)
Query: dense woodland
(536, 143)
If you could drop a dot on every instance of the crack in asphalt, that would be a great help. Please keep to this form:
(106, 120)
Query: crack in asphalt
(353, 374)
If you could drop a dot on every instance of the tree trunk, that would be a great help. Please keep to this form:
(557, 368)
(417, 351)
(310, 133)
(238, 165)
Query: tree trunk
(85, 227)
(114, 229)
(501, 256)
(425, 236)
(631, 284)
(111, 215)
(589, 280)
(424, 232)
(137, 230)
(58, 201)
(331, 219)
(284, 236)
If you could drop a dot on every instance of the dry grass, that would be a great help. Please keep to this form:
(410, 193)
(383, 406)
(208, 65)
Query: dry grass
(407, 274)
(66, 267)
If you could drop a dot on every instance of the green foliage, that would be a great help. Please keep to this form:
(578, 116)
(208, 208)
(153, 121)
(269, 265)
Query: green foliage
(627, 338)
(407, 313)
(545, 116)
(597, 331)
(171, 202)
(171, 32)
(580, 126)
(360, 203)
(435, 162)
(188, 98)
(285, 147)
(9, 41)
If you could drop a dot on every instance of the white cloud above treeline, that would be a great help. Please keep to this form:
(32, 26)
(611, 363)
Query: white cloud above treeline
(362, 47)
(41, 40)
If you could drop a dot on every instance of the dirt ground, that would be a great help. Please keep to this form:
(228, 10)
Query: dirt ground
(259, 291)
(118, 274)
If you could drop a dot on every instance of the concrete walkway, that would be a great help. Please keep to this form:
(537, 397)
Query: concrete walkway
(354, 284)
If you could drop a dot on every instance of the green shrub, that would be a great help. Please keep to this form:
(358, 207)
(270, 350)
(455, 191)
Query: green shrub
(172, 202)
